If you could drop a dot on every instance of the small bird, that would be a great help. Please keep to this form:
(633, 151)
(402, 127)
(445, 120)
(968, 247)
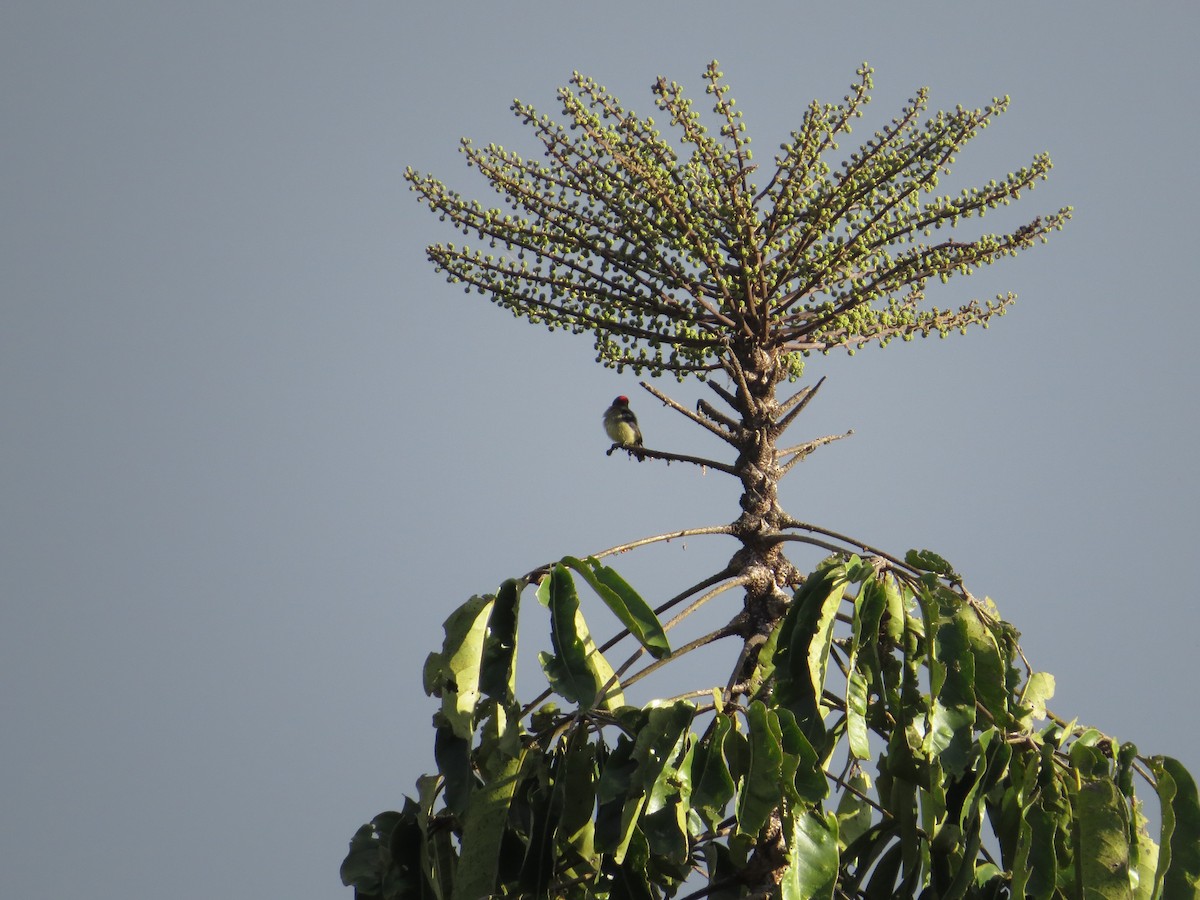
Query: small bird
(621, 424)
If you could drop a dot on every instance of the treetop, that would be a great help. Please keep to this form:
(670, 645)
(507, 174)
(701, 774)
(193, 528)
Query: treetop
(669, 252)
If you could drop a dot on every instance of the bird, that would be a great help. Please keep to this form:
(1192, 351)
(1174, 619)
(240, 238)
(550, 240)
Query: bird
(621, 425)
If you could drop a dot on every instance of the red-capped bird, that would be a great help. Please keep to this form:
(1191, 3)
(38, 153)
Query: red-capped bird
(621, 424)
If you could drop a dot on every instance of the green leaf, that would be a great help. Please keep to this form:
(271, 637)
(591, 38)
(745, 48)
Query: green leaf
(869, 607)
(655, 749)
(812, 857)
(712, 785)
(990, 680)
(626, 604)
(576, 670)
(664, 821)
(802, 654)
(897, 612)
(760, 792)
(1038, 689)
(928, 561)
(497, 677)
(1102, 855)
(454, 673)
(954, 706)
(575, 797)
(1179, 847)
(803, 776)
(853, 812)
(453, 757)
(483, 829)
(856, 712)
(1147, 865)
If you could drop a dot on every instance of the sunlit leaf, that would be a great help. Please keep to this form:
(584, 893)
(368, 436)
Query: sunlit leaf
(812, 857)
(1102, 840)
(1179, 848)
(759, 794)
(712, 785)
(626, 603)
(454, 673)
(802, 654)
(483, 829)
(576, 669)
(928, 561)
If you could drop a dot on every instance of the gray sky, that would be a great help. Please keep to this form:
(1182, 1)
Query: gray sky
(255, 450)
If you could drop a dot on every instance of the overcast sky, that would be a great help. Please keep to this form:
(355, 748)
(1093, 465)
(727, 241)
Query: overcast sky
(255, 450)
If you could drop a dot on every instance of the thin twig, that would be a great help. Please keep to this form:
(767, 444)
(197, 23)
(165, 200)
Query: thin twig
(803, 397)
(646, 453)
(723, 394)
(789, 522)
(800, 451)
(695, 417)
(731, 362)
(700, 601)
(723, 632)
(707, 409)
(671, 536)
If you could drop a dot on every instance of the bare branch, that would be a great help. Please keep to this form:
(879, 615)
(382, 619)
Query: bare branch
(699, 420)
(802, 398)
(671, 536)
(802, 450)
(723, 394)
(707, 409)
(643, 453)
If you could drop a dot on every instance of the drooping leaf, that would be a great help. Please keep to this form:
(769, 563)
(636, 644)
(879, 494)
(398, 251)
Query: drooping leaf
(712, 785)
(636, 770)
(928, 561)
(954, 705)
(1178, 872)
(454, 673)
(854, 812)
(1038, 689)
(626, 604)
(856, 715)
(575, 796)
(498, 669)
(576, 669)
(453, 757)
(990, 678)
(1147, 866)
(760, 792)
(483, 831)
(1102, 841)
(812, 857)
(802, 653)
(664, 820)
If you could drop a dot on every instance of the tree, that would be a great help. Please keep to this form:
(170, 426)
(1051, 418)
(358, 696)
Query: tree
(880, 733)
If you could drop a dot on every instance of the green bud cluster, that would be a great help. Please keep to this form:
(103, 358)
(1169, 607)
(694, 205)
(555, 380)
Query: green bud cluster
(667, 252)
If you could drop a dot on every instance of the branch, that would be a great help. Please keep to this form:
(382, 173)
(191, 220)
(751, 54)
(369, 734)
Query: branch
(699, 420)
(801, 397)
(645, 452)
(722, 632)
(800, 451)
(674, 535)
(731, 362)
(789, 522)
(723, 394)
(705, 408)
